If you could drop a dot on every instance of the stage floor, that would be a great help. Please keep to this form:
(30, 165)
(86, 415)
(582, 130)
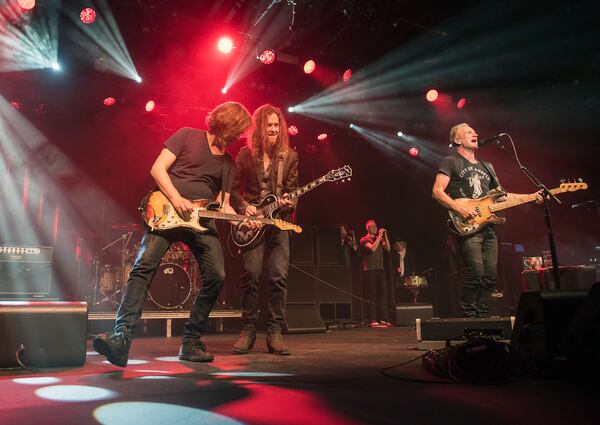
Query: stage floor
(330, 378)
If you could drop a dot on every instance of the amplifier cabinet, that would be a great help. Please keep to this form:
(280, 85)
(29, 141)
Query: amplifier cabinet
(25, 270)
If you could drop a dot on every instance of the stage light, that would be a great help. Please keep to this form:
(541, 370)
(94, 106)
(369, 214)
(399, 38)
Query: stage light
(291, 109)
(461, 103)
(224, 90)
(309, 66)
(109, 101)
(56, 66)
(267, 57)
(322, 137)
(27, 4)
(351, 125)
(400, 134)
(150, 105)
(347, 74)
(225, 45)
(432, 95)
(138, 79)
(413, 151)
(15, 104)
(87, 15)
(292, 130)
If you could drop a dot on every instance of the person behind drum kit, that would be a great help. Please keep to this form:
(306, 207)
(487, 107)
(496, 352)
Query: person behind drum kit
(402, 267)
(193, 164)
(374, 283)
(461, 175)
(266, 166)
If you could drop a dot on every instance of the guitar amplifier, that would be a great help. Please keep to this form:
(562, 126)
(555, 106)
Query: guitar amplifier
(25, 270)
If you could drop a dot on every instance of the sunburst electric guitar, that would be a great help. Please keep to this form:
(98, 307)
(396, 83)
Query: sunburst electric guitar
(268, 207)
(487, 206)
(160, 215)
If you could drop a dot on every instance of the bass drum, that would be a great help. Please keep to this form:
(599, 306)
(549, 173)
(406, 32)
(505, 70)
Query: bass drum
(170, 288)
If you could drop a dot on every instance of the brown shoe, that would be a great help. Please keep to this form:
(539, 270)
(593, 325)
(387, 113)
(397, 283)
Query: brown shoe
(276, 345)
(245, 342)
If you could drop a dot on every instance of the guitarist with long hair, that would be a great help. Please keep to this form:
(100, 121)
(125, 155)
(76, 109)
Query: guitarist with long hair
(461, 175)
(267, 166)
(193, 164)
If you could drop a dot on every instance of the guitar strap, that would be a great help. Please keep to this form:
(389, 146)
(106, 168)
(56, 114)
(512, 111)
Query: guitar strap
(225, 180)
(279, 188)
(492, 172)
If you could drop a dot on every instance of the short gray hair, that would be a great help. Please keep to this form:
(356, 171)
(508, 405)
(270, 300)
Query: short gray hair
(455, 129)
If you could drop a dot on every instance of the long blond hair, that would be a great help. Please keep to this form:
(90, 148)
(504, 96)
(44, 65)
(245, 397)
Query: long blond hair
(256, 141)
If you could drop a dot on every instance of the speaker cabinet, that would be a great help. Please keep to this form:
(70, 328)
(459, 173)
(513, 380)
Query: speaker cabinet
(302, 246)
(303, 318)
(25, 270)
(334, 284)
(543, 318)
(44, 334)
(302, 284)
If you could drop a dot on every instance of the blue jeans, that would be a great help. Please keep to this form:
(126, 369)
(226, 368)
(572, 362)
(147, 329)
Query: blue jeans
(480, 259)
(207, 250)
(269, 260)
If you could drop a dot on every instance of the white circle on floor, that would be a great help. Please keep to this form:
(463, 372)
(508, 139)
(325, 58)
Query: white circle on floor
(42, 380)
(145, 413)
(74, 393)
(130, 362)
(168, 359)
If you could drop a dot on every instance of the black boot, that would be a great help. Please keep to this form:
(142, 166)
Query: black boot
(275, 343)
(194, 351)
(245, 342)
(115, 347)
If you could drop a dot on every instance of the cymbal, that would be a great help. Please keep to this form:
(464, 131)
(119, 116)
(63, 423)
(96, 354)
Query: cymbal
(126, 226)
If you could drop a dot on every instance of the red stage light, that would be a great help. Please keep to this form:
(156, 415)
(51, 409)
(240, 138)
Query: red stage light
(26, 4)
(347, 74)
(15, 104)
(309, 66)
(322, 137)
(109, 101)
(432, 95)
(292, 130)
(87, 15)
(267, 57)
(225, 45)
(150, 105)
(461, 103)
(413, 151)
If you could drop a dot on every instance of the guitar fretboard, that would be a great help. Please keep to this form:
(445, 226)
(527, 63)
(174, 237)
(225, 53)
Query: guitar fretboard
(233, 217)
(268, 210)
(519, 201)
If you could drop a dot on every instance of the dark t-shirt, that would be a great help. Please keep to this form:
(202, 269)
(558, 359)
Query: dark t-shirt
(466, 180)
(371, 260)
(197, 173)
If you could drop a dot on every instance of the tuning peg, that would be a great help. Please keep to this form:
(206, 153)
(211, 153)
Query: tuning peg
(580, 180)
(562, 180)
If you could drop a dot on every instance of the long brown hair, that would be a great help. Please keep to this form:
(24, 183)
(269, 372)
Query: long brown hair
(228, 120)
(256, 141)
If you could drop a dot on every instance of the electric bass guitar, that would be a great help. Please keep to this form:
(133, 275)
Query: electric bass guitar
(487, 206)
(244, 237)
(160, 215)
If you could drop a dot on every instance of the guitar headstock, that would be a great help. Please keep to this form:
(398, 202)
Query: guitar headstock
(285, 225)
(343, 173)
(572, 186)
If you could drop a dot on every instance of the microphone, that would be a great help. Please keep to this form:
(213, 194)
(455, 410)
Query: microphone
(496, 138)
(581, 204)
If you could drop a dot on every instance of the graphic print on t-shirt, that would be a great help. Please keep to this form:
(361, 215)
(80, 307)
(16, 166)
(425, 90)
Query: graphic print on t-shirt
(476, 177)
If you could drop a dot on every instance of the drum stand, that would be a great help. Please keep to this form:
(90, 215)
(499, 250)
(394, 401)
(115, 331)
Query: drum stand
(125, 238)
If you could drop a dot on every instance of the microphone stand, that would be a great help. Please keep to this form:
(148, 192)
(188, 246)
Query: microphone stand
(546, 194)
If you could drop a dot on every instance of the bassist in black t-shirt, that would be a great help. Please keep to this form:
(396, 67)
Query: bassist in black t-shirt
(463, 176)
(192, 165)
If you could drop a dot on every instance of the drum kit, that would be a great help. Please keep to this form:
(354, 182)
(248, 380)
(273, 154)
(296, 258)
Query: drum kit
(414, 284)
(172, 287)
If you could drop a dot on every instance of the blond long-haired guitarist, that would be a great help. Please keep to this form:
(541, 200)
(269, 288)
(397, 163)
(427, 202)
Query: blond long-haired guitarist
(460, 176)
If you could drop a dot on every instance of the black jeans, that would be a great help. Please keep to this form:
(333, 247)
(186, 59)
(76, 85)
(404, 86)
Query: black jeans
(375, 286)
(268, 260)
(480, 258)
(206, 248)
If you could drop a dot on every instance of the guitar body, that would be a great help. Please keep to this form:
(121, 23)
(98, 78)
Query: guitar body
(245, 237)
(484, 214)
(160, 215)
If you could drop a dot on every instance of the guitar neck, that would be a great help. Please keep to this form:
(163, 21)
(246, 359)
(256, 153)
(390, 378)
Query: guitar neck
(518, 201)
(296, 193)
(231, 217)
